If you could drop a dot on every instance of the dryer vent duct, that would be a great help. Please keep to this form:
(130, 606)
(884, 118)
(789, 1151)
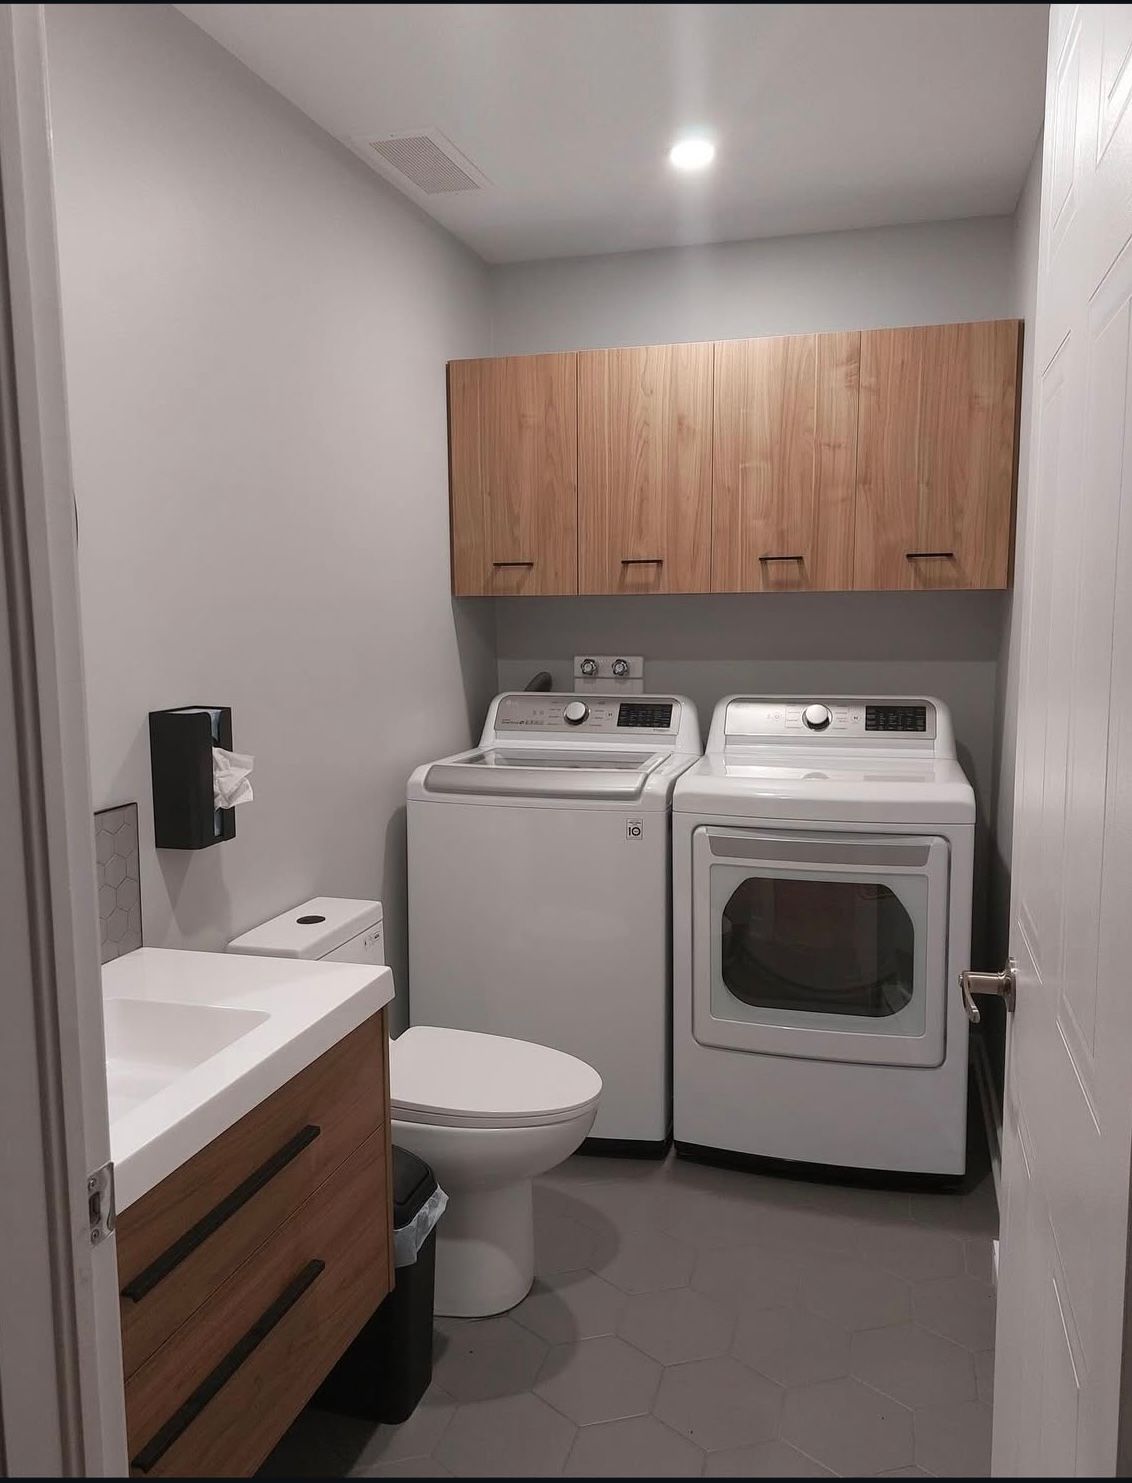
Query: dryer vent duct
(427, 161)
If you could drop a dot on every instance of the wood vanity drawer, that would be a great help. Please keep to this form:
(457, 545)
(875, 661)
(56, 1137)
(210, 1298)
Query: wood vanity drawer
(179, 1242)
(219, 1394)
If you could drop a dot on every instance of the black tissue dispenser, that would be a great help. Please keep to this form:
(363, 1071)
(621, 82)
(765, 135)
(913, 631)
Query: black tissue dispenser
(185, 816)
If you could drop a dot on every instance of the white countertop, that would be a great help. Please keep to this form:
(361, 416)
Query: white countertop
(182, 1068)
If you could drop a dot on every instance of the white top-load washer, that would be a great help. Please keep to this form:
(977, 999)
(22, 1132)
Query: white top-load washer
(822, 857)
(539, 887)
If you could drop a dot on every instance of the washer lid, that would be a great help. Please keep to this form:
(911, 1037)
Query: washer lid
(545, 772)
(473, 1080)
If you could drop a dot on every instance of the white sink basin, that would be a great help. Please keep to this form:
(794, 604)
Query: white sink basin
(194, 1041)
(149, 1044)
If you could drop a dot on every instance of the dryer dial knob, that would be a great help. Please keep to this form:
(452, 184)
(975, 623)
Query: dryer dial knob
(575, 713)
(817, 717)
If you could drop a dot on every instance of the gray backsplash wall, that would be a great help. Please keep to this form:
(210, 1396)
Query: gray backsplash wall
(942, 644)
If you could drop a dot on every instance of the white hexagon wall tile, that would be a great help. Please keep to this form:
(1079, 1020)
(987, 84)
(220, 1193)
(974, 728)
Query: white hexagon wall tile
(119, 880)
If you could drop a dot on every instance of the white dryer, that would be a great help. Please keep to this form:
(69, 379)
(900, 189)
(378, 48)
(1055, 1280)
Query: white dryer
(539, 889)
(822, 857)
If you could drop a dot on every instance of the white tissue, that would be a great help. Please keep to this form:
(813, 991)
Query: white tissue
(230, 774)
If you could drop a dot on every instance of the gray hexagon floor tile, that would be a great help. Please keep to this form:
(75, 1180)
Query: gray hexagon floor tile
(639, 1447)
(676, 1326)
(517, 1436)
(855, 1295)
(912, 1250)
(914, 1365)
(598, 1380)
(959, 1308)
(645, 1260)
(563, 1243)
(849, 1427)
(570, 1306)
(766, 1460)
(972, 1211)
(792, 1346)
(954, 1441)
(480, 1359)
(984, 1375)
(719, 1403)
(408, 1467)
(413, 1438)
(978, 1253)
(760, 1278)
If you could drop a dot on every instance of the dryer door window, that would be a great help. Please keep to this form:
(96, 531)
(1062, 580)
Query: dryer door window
(828, 946)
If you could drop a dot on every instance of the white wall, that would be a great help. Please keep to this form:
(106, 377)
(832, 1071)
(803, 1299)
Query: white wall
(784, 285)
(256, 329)
(888, 643)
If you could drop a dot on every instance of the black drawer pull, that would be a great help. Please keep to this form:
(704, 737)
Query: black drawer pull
(184, 1416)
(512, 563)
(925, 555)
(768, 557)
(172, 1257)
(642, 561)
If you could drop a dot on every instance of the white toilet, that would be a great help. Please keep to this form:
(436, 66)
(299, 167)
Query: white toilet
(486, 1112)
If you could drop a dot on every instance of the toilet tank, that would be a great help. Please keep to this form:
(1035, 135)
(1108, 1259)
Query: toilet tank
(333, 928)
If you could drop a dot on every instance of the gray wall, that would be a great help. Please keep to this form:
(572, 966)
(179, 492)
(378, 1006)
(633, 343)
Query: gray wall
(783, 285)
(945, 644)
(256, 329)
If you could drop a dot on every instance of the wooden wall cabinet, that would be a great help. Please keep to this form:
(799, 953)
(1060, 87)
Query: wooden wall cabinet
(785, 450)
(249, 1270)
(874, 459)
(513, 475)
(936, 450)
(644, 469)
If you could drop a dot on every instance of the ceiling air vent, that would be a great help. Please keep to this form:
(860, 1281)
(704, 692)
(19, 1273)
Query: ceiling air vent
(426, 160)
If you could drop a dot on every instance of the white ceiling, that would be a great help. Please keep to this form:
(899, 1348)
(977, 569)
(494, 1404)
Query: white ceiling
(827, 116)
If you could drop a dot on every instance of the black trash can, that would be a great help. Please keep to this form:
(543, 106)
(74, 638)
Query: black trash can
(388, 1367)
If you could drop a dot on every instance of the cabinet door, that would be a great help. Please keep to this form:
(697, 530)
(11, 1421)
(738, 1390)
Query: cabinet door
(644, 469)
(936, 454)
(784, 463)
(513, 471)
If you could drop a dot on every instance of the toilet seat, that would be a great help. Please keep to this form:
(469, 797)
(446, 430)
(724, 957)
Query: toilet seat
(463, 1079)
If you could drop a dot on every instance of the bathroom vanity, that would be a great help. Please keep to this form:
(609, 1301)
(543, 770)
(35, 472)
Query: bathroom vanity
(247, 1269)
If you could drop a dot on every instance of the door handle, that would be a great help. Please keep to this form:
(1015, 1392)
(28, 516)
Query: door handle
(1003, 985)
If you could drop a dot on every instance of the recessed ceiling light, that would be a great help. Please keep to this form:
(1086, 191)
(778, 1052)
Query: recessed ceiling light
(695, 153)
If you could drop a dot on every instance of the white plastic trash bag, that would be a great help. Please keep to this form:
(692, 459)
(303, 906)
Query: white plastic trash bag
(408, 1240)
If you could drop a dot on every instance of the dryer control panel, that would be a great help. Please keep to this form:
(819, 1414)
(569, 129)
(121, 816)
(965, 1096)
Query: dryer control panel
(835, 719)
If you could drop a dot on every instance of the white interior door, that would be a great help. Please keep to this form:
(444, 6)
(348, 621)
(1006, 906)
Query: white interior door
(1068, 1109)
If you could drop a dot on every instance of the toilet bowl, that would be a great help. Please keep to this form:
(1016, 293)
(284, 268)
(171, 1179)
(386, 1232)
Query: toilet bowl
(489, 1114)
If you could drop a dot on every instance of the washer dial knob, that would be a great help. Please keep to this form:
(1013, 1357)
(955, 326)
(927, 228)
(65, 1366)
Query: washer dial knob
(575, 712)
(817, 717)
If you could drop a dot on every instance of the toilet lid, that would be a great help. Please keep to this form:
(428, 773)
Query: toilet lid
(464, 1079)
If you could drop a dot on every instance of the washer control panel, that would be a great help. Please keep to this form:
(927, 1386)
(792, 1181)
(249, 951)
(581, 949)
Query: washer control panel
(535, 711)
(834, 719)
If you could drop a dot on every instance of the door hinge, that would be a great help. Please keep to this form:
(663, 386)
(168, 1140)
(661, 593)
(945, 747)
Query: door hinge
(100, 1203)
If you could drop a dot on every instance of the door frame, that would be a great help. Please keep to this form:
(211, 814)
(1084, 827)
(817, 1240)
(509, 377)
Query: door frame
(61, 1392)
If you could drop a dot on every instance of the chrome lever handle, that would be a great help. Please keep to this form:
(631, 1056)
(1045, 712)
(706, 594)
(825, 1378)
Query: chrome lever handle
(1003, 985)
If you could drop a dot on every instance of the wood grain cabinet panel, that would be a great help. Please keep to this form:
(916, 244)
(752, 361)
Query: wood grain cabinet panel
(179, 1242)
(644, 469)
(513, 471)
(784, 464)
(936, 456)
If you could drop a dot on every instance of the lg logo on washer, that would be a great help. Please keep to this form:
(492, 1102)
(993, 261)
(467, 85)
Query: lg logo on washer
(634, 829)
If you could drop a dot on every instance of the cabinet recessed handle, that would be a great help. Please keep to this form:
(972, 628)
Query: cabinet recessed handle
(768, 557)
(184, 1416)
(512, 563)
(642, 561)
(926, 555)
(172, 1257)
